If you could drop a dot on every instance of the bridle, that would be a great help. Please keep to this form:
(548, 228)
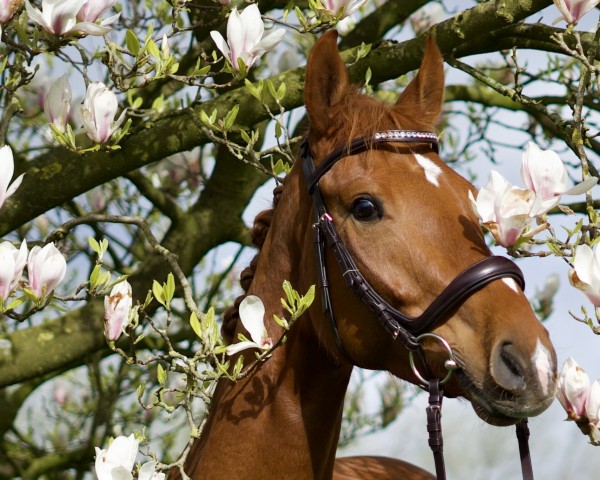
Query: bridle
(411, 331)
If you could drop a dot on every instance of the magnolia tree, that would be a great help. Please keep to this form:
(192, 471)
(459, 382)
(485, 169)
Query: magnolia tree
(133, 137)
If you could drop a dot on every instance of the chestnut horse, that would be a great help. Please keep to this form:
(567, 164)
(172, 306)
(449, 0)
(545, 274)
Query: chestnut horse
(405, 218)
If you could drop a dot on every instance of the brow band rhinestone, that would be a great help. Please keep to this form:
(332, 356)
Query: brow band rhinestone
(405, 134)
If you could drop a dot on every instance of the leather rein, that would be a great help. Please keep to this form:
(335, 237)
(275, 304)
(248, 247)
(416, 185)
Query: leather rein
(410, 331)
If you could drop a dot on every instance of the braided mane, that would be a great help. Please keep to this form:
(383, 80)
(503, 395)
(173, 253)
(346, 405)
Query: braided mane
(258, 234)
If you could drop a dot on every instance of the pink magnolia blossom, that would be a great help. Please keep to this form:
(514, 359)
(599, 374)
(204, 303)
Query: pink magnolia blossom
(59, 17)
(57, 104)
(117, 306)
(245, 37)
(592, 412)
(7, 10)
(252, 315)
(585, 274)
(98, 112)
(342, 8)
(573, 388)
(46, 268)
(545, 174)
(503, 209)
(573, 10)
(12, 263)
(92, 10)
(7, 169)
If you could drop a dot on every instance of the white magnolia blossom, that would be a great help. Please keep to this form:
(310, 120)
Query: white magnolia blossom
(57, 104)
(252, 315)
(116, 462)
(117, 306)
(342, 8)
(59, 17)
(12, 263)
(7, 169)
(573, 386)
(245, 37)
(585, 274)
(545, 174)
(98, 112)
(503, 209)
(573, 10)
(46, 268)
(592, 412)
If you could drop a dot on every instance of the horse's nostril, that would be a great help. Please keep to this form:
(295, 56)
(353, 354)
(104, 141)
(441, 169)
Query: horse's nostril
(507, 368)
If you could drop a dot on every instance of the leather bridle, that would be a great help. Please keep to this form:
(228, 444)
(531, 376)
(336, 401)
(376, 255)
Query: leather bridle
(408, 330)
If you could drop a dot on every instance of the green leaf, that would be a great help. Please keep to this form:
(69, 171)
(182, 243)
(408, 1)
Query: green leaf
(161, 375)
(153, 49)
(94, 276)
(271, 88)
(281, 91)
(255, 91)
(169, 288)
(195, 324)
(140, 390)
(231, 116)
(132, 42)
(158, 292)
(94, 245)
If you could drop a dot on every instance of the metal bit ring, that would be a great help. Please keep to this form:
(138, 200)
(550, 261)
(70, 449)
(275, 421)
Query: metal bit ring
(450, 364)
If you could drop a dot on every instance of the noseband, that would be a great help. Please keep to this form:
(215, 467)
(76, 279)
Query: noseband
(408, 330)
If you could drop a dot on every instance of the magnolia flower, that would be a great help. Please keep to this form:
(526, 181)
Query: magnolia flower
(585, 274)
(148, 472)
(503, 209)
(91, 10)
(117, 462)
(342, 8)
(57, 104)
(117, 306)
(7, 10)
(46, 267)
(545, 174)
(98, 112)
(573, 10)
(7, 168)
(245, 40)
(59, 17)
(252, 314)
(573, 387)
(12, 263)
(592, 412)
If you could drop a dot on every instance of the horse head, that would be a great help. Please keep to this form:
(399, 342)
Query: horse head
(405, 219)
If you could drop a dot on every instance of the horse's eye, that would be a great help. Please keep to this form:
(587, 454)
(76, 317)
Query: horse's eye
(365, 210)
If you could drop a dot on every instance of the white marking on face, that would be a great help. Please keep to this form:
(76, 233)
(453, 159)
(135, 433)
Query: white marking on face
(432, 171)
(542, 362)
(512, 284)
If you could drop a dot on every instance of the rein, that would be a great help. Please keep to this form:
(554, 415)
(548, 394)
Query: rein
(408, 330)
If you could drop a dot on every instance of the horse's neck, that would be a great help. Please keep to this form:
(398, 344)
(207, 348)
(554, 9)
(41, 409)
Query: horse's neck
(283, 419)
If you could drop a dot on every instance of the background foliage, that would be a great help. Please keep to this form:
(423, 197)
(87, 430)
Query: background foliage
(172, 191)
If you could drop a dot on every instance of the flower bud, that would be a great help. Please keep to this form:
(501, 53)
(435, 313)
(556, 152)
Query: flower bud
(46, 268)
(117, 306)
(12, 263)
(573, 388)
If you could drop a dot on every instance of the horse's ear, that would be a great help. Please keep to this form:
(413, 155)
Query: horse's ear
(425, 93)
(326, 80)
